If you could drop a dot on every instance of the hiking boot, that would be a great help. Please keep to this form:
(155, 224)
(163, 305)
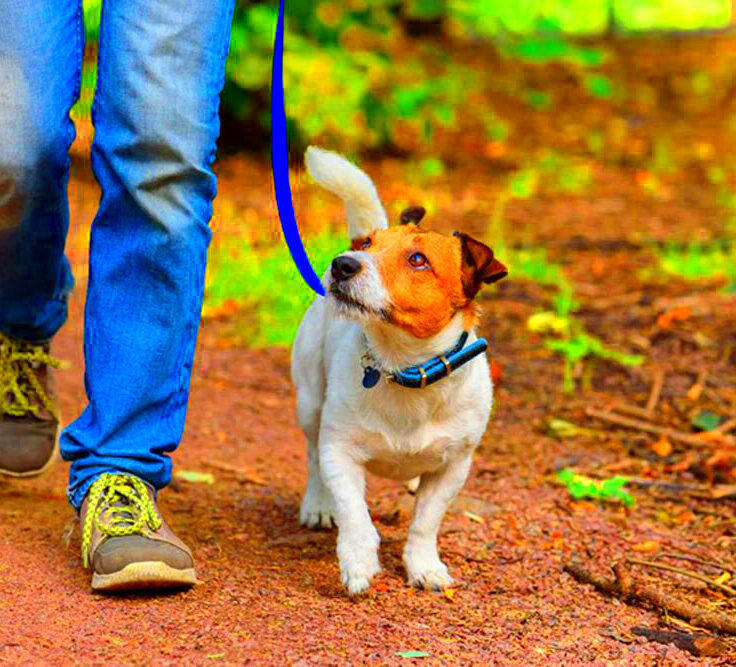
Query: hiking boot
(29, 421)
(126, 542)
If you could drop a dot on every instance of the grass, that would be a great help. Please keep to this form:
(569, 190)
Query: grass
(265, 284)
(699, 261)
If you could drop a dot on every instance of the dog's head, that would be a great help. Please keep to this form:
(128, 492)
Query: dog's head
(411, 278)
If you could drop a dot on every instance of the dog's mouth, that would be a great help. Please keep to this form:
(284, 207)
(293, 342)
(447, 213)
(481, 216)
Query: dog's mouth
(352, 304)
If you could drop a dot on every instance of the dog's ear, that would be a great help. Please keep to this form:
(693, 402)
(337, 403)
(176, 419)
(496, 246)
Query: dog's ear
(413, 214)
(479, 265)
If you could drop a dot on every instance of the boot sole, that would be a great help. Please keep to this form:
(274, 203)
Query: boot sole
(46, 467)
(142, 576)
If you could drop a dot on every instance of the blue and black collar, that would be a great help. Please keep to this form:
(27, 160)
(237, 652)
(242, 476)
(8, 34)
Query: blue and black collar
(422, 375)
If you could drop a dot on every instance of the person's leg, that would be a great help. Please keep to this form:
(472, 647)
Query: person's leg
(41, 46)
(160, 73)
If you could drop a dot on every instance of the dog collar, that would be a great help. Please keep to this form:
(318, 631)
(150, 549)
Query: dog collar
(421, 375)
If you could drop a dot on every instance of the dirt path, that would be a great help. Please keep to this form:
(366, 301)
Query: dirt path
(269, 590)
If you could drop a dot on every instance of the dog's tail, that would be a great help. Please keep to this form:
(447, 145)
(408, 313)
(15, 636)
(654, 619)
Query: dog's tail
(363, 208)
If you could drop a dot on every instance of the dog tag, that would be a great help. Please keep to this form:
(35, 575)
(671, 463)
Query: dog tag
(371, 376)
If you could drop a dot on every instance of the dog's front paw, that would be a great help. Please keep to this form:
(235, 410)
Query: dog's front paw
(358, 562)
(433, 579)
(426, 570)
(317, 509)
(358, 580)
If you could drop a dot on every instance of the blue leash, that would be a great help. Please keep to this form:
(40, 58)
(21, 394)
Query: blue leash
(422, 375)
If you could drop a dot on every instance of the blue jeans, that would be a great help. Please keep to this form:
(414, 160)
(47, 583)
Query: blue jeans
(160, 73)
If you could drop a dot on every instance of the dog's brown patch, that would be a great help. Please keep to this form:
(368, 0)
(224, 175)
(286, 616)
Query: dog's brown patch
(425, 298)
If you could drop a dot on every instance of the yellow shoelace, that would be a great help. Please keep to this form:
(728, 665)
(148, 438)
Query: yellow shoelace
(21, 392)
(128, 508)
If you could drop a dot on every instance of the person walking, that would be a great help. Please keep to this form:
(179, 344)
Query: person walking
(156, 116)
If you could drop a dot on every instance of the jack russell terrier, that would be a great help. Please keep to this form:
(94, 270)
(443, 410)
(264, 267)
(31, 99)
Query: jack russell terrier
(390, 375)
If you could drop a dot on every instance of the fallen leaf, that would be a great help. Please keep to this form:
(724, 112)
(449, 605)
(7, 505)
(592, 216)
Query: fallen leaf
(412, 654)
(496, 371)
(547, 321)
(195, 477)
(677, 314)
(649, 546)
(684, 517)
(726, 576)
(662, 447)
(474, 517)
(695, 391)
(583, 506)
(450, 593)
(562, 429)
(706, 420)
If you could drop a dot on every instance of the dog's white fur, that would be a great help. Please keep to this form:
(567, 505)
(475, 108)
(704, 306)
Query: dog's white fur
(389, 430)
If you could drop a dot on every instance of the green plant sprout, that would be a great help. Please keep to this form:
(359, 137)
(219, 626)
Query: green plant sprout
(611, 489)
(567, 336)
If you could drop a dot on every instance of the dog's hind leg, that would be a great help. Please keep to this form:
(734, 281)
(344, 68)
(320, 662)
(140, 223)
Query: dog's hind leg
(435, 493)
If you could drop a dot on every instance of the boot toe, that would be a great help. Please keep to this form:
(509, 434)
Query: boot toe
(27, 445)
(116, 553)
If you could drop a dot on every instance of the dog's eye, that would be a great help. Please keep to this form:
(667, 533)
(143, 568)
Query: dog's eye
(418, 260)
(366, 244)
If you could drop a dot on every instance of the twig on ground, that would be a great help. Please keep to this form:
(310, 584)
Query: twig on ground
(637, 593)
(638, 425)
(721, 567)
(655, 392)
(633, 410)
(698, 643)
(683, 572)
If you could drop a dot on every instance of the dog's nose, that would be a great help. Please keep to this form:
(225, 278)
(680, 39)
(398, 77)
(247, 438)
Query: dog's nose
(344, 268)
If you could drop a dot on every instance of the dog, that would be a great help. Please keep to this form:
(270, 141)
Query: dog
(390, 375)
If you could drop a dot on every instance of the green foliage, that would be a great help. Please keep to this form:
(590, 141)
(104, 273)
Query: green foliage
(565, 334)
(267, 284)
(347, 84)
(562, 173)
(489, 18)
(581, 486)
(578, 346)
(599, 86)
(697, 261)
(706, 420)
(645, 15)
(542, 50)
(532, 264)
